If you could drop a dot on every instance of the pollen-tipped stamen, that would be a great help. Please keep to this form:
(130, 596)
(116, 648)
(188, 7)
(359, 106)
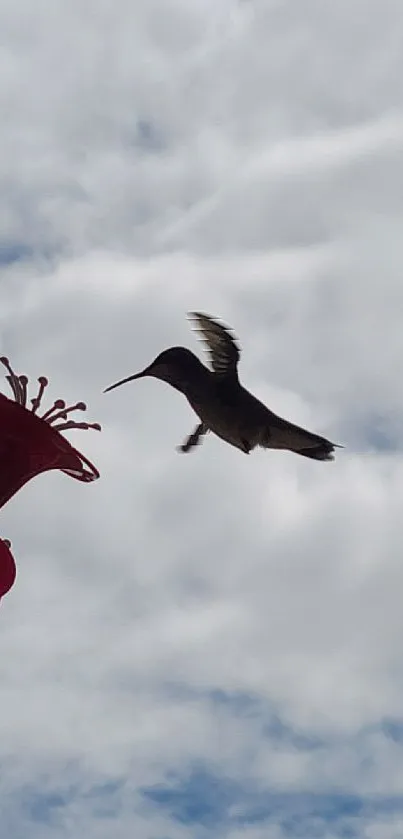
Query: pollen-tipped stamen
(13, 380)
(59, 405)
(43, 383)
(62, 414)
(72, 424)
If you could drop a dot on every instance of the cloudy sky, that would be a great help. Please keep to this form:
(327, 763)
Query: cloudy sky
(210, 645)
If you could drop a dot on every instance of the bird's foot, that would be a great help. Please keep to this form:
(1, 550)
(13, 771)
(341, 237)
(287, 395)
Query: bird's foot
(193, 440)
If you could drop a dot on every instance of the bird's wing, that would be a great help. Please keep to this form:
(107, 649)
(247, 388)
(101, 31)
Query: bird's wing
(221, 344)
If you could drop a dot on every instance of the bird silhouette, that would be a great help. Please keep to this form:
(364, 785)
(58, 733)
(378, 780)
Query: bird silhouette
(222, 404)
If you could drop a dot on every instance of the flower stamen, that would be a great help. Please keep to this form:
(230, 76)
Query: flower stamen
(80, 406)
(58, 411)
(72, 424)
(13, 380)
(23, 380)
(59, 405)
(43, 383)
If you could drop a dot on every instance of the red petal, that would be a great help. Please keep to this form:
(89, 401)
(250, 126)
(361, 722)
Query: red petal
(29, 446)
(8, 570)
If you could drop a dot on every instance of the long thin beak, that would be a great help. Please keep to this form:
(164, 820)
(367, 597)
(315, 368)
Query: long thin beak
(129, 379)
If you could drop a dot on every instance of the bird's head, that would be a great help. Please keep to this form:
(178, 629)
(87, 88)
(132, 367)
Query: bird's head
(176, 366)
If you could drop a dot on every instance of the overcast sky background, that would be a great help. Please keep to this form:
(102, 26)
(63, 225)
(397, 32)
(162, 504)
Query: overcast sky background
(210, 645)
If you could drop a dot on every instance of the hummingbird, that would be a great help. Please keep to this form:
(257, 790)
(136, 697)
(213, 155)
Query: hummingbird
(222, 404)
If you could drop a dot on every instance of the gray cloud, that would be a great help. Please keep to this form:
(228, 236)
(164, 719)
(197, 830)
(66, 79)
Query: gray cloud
(240, 614)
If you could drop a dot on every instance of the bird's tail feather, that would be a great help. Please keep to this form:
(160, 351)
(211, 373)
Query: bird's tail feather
(282, 434)
(324, 451)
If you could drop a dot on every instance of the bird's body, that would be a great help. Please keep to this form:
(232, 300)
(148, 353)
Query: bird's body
(222, 404)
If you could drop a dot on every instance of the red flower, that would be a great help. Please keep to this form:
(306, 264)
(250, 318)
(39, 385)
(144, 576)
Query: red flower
(7, 567)
(31, 444)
